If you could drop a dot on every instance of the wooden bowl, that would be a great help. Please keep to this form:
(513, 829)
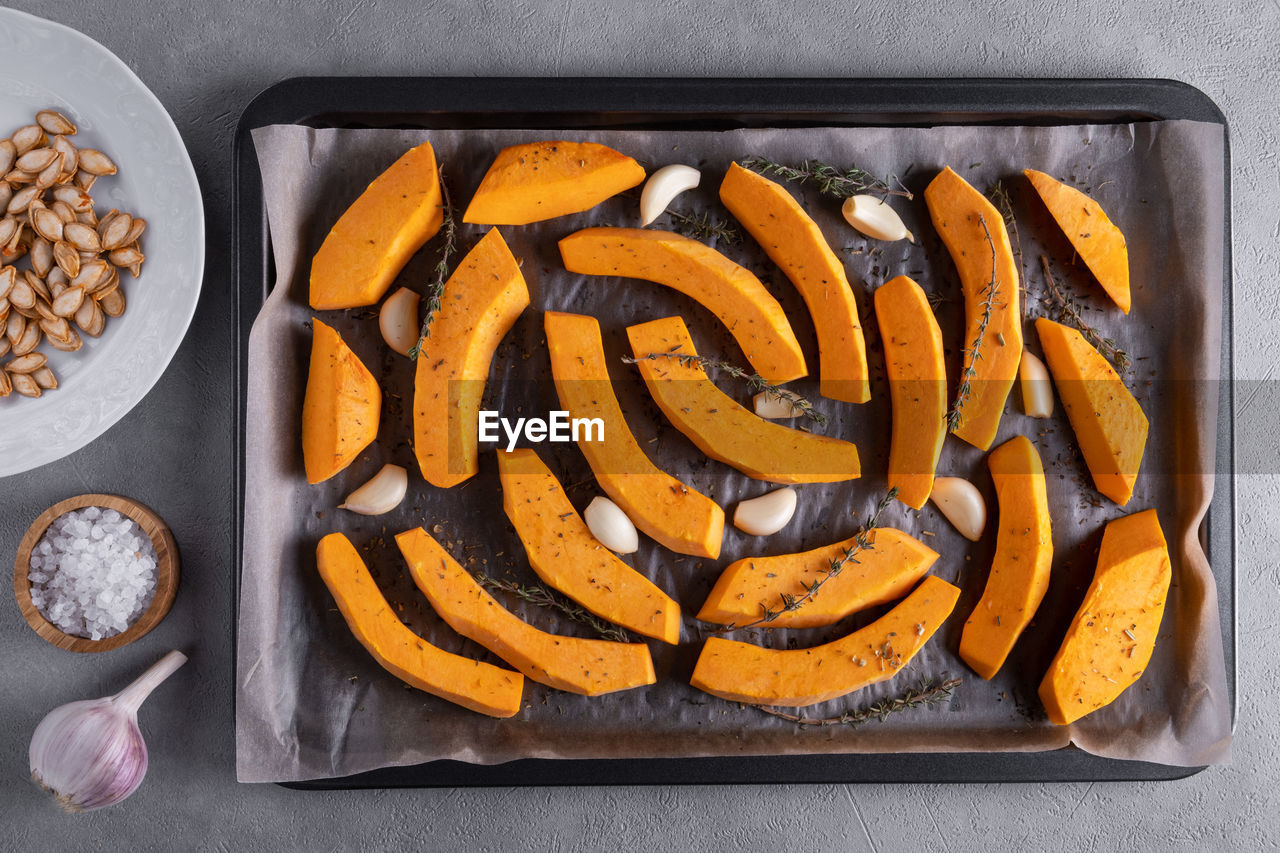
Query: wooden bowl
(166, 573)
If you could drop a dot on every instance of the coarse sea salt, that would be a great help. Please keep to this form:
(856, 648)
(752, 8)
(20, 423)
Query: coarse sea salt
(93, 573)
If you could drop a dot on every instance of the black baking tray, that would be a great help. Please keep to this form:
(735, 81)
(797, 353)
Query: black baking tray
(702, 104)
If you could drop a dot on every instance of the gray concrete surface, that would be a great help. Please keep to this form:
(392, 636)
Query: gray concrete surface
(205, 61)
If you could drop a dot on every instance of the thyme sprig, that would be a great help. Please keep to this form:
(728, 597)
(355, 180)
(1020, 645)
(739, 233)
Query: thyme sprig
(540, 596)
(830, 180)
(704, 227)
(435, 291)
(929, 692)
(755, 382)
(1069, 311)
(789, 603)
(999, 196)
(955, 417)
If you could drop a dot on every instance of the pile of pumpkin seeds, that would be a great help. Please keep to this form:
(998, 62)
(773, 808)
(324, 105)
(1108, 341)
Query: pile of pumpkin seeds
(60, 261)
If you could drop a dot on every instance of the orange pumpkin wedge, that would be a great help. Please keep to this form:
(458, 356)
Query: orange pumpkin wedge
(470, 683)
(572, 664)
(1110, 426)
(482, 300)
(1019, 572)
(882, 573)
(729, 291)
(794, 242)
(543, 180)
(378, 234)
(959, 214)
(566, 556)
(1095, 238)
(917, 387)
(341, 407)
(664, 508)
(725, 430)
(1113, 635)
(742, 672)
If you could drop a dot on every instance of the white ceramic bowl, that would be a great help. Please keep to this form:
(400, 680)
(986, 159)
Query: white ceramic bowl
(47, 65)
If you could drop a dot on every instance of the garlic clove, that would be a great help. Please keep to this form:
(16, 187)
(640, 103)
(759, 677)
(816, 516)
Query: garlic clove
(767, 514)
(1037, 392)
(663, 186)
(398, 320)
(611, 526)
(873, 217)
(962, 504)
(91, 754)
(769, 406)
(382, 493)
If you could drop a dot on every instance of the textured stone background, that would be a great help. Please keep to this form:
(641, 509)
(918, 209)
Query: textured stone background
(205, 61)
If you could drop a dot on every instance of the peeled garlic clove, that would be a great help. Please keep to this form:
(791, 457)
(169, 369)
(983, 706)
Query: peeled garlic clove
(664, 185)
(769, 406)
(962, 504)
(381, 494)
(873, 217)
(611, 526)
(398, 320)
(1037, 392)
(767, 514)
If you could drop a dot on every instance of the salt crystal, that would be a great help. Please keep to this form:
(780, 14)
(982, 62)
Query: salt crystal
(93, 573)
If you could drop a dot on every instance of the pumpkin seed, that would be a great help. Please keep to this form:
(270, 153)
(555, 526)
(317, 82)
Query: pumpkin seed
(29, 363)
(42, 256)
(36, 160)
(70, 343)
(8, 228)
(6, 384)
(70, 156)
(135, 230)
(64, 211)
(47, 224)
(129, 256)
(21, 295)
(84, 180)
(92, 275)
(113, 303)
(15, 326)
(52, 121)
(6, 193)
(37, 284)
(50, 174)
(30, 339)
(27, 137)
(68, 302)
(115, 230)
(83, 237)
(8, 155)
(44, 378)
(78, 200)
(22, 199)
(8, 277)
(84, 314)
(95, 162)
(57, 278)
(98, 321)
(66, 257)
(25, 385)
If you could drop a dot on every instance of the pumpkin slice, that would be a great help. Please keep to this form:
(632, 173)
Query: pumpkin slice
(1113, 634)
(572, 664)
(543, 180)
(959, 213)
(482, 300)
(742, 672)
(729, 291)
(378, 234)
(723, 429)
(470, 683)
(1019, 572)
(660, 505)
(1095, 238)
(795, 243)
(563, 552)
(882, 573)
(1108, 422)
(917, 387)
(341, 408)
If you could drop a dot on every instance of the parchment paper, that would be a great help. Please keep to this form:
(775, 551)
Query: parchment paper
(311, 703)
